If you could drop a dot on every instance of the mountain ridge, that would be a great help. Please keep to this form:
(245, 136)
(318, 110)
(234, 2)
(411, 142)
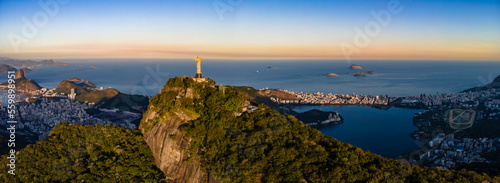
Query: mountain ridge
(229, 145)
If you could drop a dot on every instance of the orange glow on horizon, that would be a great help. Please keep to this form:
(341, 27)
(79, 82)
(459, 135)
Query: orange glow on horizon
(375, 51)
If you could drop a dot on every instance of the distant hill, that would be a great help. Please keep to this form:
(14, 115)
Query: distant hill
(65, 86)
(28, 63)
(494, 84)
(4, 68)
(85, 93)
(20, 74)
(263, 96)
(108, 98)
(22, 83)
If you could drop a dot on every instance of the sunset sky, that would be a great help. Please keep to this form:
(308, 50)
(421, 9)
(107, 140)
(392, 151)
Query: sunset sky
(253, 29)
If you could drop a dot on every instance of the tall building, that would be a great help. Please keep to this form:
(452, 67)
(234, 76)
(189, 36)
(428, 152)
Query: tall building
(72, 95)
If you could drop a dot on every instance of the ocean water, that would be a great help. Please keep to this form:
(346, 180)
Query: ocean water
(394, 78)
(385, 132)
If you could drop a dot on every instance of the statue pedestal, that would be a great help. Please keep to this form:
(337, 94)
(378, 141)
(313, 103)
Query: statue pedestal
(199, 78)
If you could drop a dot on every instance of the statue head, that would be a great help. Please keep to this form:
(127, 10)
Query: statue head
(198, 59)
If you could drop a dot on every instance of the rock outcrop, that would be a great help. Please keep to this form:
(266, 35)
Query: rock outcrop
(169, 147)
(20, 74)
(359, 75)
(162, 133)
(331, 74)
(355, 67)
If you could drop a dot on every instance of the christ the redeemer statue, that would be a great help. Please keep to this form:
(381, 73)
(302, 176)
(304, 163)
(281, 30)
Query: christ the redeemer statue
(198, 67)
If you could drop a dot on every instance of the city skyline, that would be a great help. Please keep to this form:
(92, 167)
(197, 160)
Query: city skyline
(416, 30)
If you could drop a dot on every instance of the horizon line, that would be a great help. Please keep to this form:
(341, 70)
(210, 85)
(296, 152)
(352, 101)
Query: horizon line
(271, 58)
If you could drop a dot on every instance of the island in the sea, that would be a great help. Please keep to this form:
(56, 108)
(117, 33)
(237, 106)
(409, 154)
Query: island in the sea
(331, 74)
(93, 66)
(359, 75)
(355, 67)
(369, 72)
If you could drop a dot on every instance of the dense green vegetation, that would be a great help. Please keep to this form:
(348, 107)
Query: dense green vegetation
(255, 95)
(85, 153)
(204, 96)
(266, 146)
(492, 169)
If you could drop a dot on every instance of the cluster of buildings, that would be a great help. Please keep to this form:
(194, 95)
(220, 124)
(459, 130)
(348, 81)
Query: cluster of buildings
(40, 117)
(463, 100)
(44, 92)
(469, 99)
(493, 104)
(334, 99)
(445, 151)
(51, 112)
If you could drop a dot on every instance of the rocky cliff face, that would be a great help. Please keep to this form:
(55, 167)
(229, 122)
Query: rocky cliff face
(169, 146)
(20, 74)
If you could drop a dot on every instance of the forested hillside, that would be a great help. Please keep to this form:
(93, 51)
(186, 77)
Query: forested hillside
(266, 146)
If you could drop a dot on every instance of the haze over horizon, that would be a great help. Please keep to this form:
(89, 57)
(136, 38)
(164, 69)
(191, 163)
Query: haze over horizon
(416, 30)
